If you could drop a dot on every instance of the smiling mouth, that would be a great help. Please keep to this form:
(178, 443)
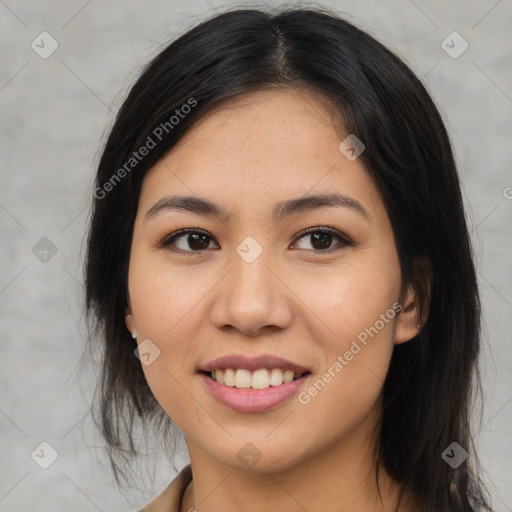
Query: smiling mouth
(262, 378)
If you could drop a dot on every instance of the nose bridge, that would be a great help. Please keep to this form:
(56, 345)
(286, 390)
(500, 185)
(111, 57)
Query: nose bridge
(251, 280)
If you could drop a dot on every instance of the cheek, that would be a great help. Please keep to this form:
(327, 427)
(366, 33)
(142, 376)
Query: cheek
(349, 301)
(358, 312)
(165, 307)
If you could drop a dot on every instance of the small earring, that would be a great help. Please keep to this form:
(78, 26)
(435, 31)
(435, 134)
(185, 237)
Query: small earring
(134, 335)
(419, 327)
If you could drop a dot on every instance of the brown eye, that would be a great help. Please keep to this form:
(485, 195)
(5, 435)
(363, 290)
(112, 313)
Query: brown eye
(321, 238)
(189, 240)
(197, 241)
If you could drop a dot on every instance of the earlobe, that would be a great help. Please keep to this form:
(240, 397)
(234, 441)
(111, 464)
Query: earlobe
(406, 334)
(130, 324)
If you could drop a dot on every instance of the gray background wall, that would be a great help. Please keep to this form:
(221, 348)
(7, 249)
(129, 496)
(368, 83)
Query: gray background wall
(54, 112)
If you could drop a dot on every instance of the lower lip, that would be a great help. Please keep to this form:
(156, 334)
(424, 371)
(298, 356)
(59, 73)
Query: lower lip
(253, 400)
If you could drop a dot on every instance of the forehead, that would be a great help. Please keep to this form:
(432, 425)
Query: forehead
(262, 146)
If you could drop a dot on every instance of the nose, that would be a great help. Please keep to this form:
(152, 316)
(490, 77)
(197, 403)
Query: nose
(252, 298)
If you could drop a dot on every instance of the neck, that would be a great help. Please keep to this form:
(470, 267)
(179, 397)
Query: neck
(341, 478)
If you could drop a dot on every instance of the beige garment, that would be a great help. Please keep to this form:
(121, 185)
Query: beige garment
(169, 500)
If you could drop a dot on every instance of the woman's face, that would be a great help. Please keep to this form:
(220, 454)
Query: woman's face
(252, 286)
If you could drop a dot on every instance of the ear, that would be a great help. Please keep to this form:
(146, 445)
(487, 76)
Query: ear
(416, 304)
(128, 319)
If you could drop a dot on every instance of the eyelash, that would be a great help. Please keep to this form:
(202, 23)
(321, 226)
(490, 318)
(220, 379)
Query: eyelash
(169, 239)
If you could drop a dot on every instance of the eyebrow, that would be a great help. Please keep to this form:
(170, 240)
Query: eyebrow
(280, 210)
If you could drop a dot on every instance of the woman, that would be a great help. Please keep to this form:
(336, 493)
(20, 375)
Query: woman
(279, 265)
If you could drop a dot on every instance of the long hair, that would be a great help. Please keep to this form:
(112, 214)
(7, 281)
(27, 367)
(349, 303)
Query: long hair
(429, 388)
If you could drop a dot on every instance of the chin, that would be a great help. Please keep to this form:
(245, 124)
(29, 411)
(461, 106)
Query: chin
(251, 459)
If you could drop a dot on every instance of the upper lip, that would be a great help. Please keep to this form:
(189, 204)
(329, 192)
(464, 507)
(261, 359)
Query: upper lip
(253, 363)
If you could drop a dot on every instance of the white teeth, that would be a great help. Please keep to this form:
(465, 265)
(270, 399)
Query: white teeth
(258, 379)
(243, 379)
(288, 376)
(229, 377)
(276, 377)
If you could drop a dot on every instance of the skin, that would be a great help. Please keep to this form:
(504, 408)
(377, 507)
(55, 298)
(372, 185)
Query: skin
(297, 300)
